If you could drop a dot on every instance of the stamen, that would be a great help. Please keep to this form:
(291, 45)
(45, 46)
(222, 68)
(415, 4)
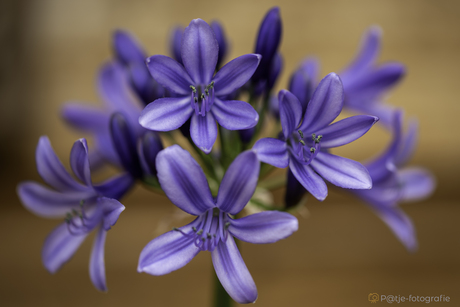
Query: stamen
(300, 133)
(227, 225)
(312, 150)
(199, 232)
(194, 228)
(302, 142)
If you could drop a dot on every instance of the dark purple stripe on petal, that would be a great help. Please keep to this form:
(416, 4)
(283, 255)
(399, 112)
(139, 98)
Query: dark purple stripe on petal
(234, 114)
(59, 247)
(170, 74)
(264, 227)
(325, 105)
(48, 203)
(150, 146)
(203, 130)
(294, 191)
(199, 51)
(97, 263)
(168, 252)
(183, 180)
(235, 74)
(233, 273)
(272, 151)
(346, 131)
(309, 179)
(166, 114)
(342, 172)
(239, 183)
(51, 169)
(290, 112)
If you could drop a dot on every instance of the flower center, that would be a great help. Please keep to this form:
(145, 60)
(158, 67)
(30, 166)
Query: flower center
(202, 98)
(211, 228)
(82, 221)
(307, 149)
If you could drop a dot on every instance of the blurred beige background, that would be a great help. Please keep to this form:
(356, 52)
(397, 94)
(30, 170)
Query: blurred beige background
(50, 52)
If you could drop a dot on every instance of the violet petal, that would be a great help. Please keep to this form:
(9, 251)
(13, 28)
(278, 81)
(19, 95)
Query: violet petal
(111, 210)
(311, 181)
(48, 203)
(235, 74)
(199, 51)
(346, 130)
(127, 48)
(116, 186)
(166, 114)
(79, 161)
(272, 151)
(59, 247)
(234, 114)
(290, 112)
(233, 273)
(97, 263)
(168, 252)
(51, 169)
(170, 74)
(325, 105)
(203, 131)
(183, 180)
(342, 172)
(239, 183)
(417, 183)
(264, 227)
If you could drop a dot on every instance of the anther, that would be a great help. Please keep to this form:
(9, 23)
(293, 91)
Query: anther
(193, 88)
(313, 137)
(203, 239)
(302, 142)
(300, 133)
(175, 229)
(209, 235)
(194, 228)
(82, 202)
(312, 150)
(199, 232)
(227, 225)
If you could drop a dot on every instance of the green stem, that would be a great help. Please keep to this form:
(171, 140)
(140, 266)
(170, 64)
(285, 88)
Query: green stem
(221, 297)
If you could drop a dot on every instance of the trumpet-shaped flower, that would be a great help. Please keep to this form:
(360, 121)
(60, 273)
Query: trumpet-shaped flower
(305, 142)
(199, 94)
(86, 207)
(393, 183)
(213, 230)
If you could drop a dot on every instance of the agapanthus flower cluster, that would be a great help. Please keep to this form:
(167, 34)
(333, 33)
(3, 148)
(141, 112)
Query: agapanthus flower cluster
(199, 92)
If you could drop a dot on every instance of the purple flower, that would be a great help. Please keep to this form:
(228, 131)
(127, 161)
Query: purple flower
(365, 83)
(268, 40)
(200, 95)
(114, 89)
(305, 142)
(392, 183)
(131, 55)
(84, 206)
(304, 81)
(217, 28)
(213, 230)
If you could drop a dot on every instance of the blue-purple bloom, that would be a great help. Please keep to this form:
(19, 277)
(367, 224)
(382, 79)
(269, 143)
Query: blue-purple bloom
(185, 184)
(267, 43)
(84, 206)
(392, 183)
(305, 142)
(132, 56)
(200, 95)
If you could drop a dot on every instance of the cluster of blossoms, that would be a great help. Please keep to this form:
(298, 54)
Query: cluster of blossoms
(195, 92)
